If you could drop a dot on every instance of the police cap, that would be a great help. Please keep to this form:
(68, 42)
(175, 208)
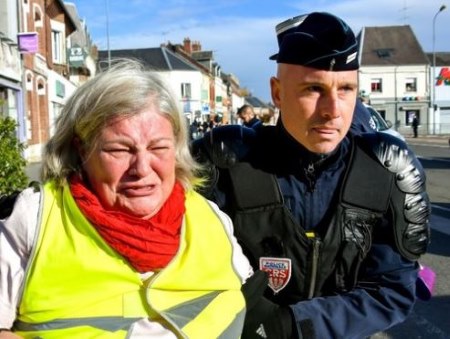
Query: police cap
(318, 40)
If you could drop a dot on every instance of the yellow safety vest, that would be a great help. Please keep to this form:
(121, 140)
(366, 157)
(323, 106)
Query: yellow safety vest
(77, 286)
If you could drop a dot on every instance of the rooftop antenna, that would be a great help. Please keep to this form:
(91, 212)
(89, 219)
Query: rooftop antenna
(404, 10)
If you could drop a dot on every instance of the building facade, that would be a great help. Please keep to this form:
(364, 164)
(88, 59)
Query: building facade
(394, 76)
(46, 72)
(11, 73)
(441, 84)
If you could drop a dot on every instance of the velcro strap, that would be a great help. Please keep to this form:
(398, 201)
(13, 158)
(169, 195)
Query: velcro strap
(254, 188)
(368, 185)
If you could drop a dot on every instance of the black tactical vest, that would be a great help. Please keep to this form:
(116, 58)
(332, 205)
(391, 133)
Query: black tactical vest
(316, 264)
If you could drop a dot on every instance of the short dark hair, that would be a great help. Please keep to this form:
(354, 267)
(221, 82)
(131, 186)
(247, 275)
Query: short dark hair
(243, 108)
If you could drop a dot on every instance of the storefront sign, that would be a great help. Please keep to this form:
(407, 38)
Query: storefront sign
(28, 42)
(76, 56)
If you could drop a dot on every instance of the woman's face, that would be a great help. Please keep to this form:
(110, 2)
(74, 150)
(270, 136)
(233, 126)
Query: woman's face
(132, 167)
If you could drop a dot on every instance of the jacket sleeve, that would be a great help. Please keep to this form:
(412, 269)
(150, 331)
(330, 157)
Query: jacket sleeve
(17, 233)
(383, 298)
(240, 262)
(218, 150)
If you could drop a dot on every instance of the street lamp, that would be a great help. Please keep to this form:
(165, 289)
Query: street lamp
(433, 102)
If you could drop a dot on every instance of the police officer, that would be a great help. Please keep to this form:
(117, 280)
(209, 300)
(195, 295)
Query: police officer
(334, 222)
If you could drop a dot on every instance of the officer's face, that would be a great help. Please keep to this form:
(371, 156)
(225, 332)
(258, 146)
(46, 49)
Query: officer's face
(316, 106)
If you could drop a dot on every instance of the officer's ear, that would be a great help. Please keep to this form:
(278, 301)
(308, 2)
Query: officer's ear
(275, 91)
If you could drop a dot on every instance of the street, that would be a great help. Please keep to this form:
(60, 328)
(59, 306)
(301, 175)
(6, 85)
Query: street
(430, 319)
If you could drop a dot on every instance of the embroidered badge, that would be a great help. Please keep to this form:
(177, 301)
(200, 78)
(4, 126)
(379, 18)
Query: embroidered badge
(279, 270)
(351, 57)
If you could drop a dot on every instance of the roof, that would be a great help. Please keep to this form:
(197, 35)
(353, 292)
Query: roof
(79, 36)
(442, 58)
(390, 45)
(158, 58)
(67, 16)
(255, 102)
(202, 55)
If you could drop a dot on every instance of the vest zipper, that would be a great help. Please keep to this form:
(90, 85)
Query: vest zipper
(314, 263)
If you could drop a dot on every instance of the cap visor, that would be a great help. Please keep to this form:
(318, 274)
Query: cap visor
(273, 57)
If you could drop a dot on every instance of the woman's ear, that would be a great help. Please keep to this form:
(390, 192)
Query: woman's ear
(78, 145)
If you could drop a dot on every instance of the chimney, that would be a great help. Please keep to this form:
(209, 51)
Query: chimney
(196, 46)
(187, 45)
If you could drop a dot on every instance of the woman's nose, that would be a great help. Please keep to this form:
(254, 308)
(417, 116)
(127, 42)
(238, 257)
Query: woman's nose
(141, 165)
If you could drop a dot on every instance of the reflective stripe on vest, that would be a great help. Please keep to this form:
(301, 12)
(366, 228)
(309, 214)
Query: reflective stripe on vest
(76, 285)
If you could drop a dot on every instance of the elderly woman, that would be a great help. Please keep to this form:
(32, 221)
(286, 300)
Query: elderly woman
(116, 243)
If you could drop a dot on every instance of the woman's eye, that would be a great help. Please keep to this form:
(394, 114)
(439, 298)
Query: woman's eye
(158, 148)
(117, 150)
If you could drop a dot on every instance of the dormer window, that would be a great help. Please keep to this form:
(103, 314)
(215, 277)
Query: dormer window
(384, 53)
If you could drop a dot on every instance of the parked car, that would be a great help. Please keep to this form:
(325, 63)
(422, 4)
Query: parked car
(378, 123)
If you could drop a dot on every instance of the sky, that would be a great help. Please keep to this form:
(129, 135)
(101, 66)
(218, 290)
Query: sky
(241, 33)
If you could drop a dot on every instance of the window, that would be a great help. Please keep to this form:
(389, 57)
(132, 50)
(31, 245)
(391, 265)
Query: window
(58, 40)
(384, 53)
(41, 88)
(376, 85)
(382, 113)
(3, 102)
(58, 47)
(38, 22)
(411, 85)
(186, 90)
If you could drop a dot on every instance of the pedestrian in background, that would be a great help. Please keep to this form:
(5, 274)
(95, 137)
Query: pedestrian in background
(336, 220)
(247, 114)
(415, 126)
(117, 244)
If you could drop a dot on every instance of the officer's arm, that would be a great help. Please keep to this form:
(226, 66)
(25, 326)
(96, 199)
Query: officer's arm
(218, 150)
(385, 296)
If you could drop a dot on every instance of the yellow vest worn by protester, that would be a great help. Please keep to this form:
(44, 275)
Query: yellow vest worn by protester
(77, 286)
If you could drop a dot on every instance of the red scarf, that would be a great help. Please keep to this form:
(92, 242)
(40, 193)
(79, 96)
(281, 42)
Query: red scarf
(146, 244)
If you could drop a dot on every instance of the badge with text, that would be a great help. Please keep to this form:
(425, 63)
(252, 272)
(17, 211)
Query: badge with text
(279, 270)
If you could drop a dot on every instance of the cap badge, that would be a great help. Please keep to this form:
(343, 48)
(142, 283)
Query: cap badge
(351, 57)
(332, 63)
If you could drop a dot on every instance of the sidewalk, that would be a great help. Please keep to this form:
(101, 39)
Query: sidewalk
(438, 140)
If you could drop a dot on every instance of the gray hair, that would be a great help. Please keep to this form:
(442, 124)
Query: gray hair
(123, 90)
